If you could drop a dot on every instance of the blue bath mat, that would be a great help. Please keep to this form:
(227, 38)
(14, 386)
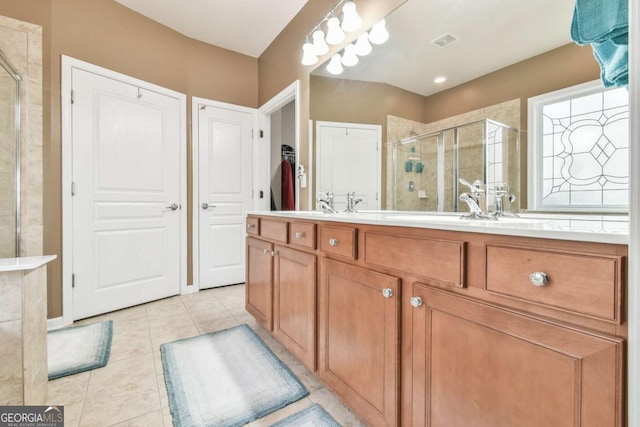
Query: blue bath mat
(226, 378)
(78, 348)
(313, 416)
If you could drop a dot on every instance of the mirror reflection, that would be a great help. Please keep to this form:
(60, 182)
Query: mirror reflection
(450, 91)
(9, 158)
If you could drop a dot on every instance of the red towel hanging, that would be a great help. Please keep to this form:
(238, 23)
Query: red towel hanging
(288, 199)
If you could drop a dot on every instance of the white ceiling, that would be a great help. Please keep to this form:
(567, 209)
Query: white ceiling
(245, 26)
(492, 35)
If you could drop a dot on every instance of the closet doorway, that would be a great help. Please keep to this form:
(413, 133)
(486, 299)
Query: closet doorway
(222, 181)
(282, 175)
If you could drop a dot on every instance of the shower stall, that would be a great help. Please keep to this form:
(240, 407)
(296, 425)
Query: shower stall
(427, 167)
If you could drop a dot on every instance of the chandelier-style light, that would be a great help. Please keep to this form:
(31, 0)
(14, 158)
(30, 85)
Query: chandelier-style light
(317, 42)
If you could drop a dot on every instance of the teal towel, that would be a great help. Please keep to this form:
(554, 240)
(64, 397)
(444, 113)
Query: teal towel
(596, 21)
(613, 56)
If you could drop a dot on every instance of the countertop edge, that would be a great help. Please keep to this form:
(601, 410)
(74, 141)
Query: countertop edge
(25, 263)
(505, 229)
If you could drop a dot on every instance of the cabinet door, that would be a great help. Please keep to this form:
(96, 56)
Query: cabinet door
(259, 288)
(474, 364)
(359, 339)
(294, 304)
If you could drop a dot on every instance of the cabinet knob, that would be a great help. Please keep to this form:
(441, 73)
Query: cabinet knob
(387, 292)
(539, 278)
(250, 225)
(415, 301)
(333, 242)
(266, 251)
(274, 253)
(299, 234)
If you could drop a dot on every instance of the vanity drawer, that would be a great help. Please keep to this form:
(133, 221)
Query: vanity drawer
(436, 259)
(302, 234)
(340, 241)
(253, 226)
(582, 283)
(274, 230)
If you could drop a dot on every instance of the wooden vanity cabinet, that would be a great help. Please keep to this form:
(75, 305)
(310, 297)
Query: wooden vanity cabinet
(259, 281)
(473, 361)
(281, 284)
(294, 303)
(359, 339)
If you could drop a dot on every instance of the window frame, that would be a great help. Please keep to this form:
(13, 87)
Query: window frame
(535, 150)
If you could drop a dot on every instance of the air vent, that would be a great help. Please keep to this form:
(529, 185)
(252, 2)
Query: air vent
(445, 40)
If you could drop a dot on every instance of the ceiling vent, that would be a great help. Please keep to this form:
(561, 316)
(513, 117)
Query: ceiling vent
(444, 40)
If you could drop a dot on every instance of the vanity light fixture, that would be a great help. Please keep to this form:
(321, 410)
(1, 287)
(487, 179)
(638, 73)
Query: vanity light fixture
(309, 56)
(363, 47)
(335, 65)
(379, 33)
(440, 79)
(349, 57)
(335, 32)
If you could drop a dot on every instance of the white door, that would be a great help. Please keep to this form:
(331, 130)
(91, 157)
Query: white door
(348, 159)
(224, 192)
(126, 171)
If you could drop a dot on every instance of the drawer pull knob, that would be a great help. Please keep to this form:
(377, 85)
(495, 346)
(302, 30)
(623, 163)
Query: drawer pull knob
(387, 292)
(333, 242)
(299, 234)
(539, 278)
(266, 251)
(415, 302)
(274, 253)
(251, 225)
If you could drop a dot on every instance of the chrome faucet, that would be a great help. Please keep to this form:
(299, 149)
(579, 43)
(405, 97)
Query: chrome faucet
(352, 202)
(504, 199)
(326, 203)
(472, 199)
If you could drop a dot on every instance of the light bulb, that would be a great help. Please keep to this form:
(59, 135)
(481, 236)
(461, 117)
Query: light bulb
(320, 47)
(349, 58)
(335, 67)
(308, 56)
(440, 79)
(335, 35)
(350, 19)
(378, 33)
(363, 47)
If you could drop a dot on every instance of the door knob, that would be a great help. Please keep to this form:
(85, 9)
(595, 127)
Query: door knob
(205, 205)
(173, 206)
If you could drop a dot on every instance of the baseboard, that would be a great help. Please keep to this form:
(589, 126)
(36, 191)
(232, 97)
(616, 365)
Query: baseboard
(55, 323)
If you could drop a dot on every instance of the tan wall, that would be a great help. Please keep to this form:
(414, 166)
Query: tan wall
(107, 34)
(280, 65)
(351, 101)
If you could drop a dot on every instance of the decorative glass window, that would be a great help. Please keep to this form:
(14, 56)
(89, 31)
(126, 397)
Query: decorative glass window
(578, 152)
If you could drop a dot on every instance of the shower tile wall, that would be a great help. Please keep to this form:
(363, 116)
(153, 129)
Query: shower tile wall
(22, 44)
(507, 113)
(7, 166)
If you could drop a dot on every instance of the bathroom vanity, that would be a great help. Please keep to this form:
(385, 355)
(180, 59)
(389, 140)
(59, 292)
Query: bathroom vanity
(415, 319)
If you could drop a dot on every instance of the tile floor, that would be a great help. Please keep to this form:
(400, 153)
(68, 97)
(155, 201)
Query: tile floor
(130, 390)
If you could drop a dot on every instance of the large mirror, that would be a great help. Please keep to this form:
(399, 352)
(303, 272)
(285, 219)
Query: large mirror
(9, 159)
(494, 56)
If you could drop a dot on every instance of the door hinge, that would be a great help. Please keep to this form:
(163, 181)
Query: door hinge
(73, 280)
(376, 196)
(72, 97)
(261, 133)
(73, 189)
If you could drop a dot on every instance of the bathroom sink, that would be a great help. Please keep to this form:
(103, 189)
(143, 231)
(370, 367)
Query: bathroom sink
(457, 218)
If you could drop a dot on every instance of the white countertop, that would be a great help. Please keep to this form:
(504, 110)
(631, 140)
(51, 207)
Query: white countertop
(25, 263)
(586, 228)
